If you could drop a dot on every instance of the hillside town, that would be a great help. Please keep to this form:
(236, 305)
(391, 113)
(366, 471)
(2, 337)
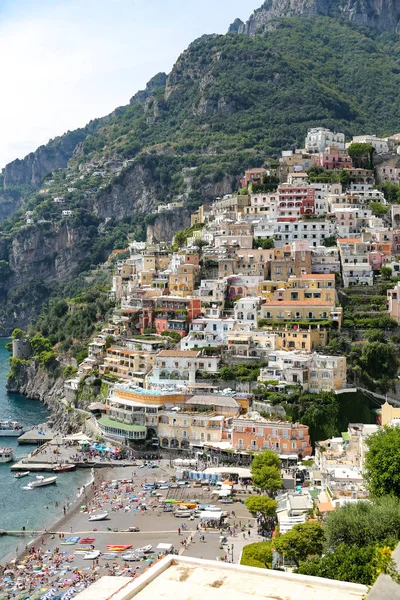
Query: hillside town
(263, 304)
(242, 306)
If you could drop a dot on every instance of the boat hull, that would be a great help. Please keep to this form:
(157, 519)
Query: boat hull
(11, 432)
(43, 482)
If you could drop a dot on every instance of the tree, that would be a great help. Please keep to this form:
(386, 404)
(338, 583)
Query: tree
(302, 541)
(346, 563)
(378, 210)
(18, 334)
(382, 462)
(4, 270)
(330, 241)
(267, 479)
(40, 344)
(379, 360)
(264, 243)
(265, 459)
(261, 505)
(363, 523)
(386, 272)
(362, 155)
(257, 555)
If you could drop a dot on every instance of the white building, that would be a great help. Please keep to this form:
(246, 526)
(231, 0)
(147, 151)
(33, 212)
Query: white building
(325, 260)
(178, 367)
(313, 232)
(354, 258)
(380, 145)
(320, 138)
(209, 333)
(245, 311)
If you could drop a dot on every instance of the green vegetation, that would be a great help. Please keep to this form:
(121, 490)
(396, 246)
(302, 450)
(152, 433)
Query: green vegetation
(264, 243)
(302, 541)
(382, 463)
(358, 542)
(265, 472)
(181, 236)
(378, 209)
(261, 505)
(362, 155)
(257, 555)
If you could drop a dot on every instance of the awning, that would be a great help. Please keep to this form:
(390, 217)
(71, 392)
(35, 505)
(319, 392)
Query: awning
(211, 515)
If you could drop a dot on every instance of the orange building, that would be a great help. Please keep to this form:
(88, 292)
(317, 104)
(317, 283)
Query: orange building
(280, 437)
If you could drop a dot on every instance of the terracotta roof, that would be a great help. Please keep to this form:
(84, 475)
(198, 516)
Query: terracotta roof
(344, 240)
(172, 353)
(325, 507)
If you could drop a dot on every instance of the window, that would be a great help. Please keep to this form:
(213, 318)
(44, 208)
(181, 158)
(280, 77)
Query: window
(325, 375)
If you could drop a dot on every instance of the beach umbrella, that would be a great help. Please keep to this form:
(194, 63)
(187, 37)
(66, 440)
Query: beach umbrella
(68, 594)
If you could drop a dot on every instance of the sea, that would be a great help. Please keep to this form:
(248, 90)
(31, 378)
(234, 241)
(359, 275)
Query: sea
(33, 509)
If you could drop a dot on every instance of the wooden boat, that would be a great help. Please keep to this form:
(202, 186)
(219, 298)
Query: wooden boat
(64, 468)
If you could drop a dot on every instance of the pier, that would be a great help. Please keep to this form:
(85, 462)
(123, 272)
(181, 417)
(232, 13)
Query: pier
(37, 435)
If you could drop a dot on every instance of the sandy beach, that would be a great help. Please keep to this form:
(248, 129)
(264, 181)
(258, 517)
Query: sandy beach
(119, 491)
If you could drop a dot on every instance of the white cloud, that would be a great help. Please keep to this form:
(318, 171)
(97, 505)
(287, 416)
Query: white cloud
(65, 62)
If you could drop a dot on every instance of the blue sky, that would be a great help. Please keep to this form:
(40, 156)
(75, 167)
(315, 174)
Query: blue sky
(65, 62)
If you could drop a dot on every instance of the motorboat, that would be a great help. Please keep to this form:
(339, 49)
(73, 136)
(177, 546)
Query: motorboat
(21, 474)
(143, 549)
(11, 429)
(41, 482)
(99, 517)
(132, 556)
(6, 454)
(64, 468)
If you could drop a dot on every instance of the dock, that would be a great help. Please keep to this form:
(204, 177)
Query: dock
(37, 435)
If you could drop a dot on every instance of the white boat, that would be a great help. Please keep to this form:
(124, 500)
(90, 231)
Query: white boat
(10, 429)
(22, 474)
(6, 454)
(132, 556)
(92, 555)
(41, 482)
(144, 549)
(99, 517)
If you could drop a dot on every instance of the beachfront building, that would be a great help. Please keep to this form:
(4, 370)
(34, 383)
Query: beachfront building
(281, 437)
(186, 429)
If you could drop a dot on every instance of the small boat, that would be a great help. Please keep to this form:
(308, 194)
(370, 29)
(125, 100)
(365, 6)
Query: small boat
(99, 517)
(64, 468)
(144, 549)
(132, 556)
(120, 548)
(92, 555)
(21, 474)
(6, 454)
(41, 482)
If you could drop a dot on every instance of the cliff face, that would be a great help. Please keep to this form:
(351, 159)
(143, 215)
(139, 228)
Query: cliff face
(32, 380)
(380, 15)
(132, 191)
(167, 224)
(48, 254)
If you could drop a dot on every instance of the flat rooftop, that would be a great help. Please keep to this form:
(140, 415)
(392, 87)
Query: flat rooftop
(180, 578)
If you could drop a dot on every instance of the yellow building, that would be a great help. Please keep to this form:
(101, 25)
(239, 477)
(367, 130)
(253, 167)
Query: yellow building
(390, 415)
(303, 310)
(182, 282)
(128, 364)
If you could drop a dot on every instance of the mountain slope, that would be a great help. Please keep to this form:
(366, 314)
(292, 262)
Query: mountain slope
(230, 101)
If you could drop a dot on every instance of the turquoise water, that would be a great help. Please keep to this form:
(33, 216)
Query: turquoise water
(36, 508)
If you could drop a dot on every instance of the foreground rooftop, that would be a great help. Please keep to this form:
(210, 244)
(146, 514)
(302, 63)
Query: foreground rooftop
(181, 578)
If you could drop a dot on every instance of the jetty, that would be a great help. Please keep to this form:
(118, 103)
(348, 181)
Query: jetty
(37, 435)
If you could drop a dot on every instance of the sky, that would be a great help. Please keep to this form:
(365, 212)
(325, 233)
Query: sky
(65, 62)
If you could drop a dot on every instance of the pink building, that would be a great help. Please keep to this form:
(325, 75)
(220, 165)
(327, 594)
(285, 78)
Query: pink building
(333, 159)
(393, 297)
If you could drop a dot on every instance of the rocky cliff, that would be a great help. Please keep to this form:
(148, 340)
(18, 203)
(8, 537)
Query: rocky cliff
(33, 381)
(166, 224)
(380, 15)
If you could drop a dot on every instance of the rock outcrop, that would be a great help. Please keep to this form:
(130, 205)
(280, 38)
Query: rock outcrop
(166, 224)
(380, 15)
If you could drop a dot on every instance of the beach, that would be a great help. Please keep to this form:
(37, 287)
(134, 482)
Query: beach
(49, 564)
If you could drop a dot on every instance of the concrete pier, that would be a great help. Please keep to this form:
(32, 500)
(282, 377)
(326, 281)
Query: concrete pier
(37, 435)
